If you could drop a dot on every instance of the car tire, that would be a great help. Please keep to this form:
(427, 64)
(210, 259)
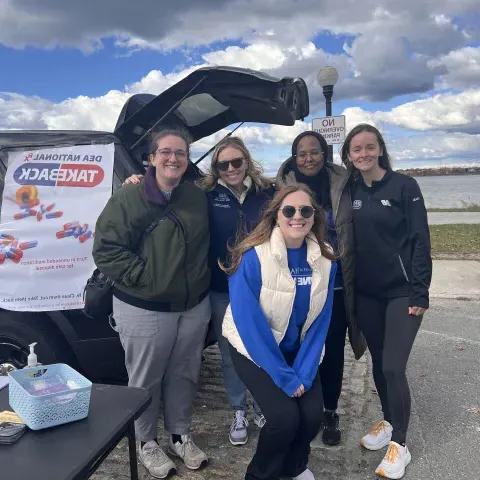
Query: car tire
(19, 329)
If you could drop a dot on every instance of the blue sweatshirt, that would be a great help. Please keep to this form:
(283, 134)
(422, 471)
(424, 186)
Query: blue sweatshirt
(245, 285)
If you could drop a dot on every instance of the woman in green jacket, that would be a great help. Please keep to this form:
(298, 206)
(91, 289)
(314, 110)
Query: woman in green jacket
(161, 304)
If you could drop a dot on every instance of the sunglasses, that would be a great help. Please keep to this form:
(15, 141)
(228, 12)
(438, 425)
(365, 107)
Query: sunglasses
(224, 166)
(306, 211)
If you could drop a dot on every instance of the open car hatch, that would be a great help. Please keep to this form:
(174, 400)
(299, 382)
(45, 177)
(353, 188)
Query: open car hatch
(213, 98)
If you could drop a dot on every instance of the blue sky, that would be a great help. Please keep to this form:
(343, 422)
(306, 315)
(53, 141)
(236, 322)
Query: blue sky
(412, 70)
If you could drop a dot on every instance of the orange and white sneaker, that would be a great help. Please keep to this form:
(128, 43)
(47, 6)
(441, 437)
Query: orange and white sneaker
(379, 436)
(395, 461)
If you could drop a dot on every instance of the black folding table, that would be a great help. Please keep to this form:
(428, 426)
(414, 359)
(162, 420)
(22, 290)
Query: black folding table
(75, 450)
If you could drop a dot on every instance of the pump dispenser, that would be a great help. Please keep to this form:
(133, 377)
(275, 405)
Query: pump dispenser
(32, 358)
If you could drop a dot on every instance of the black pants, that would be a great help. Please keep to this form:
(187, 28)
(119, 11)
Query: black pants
(390, 332)
(331, 368)
(292, 423)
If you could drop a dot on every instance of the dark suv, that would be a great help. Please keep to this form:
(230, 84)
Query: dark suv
(206, 101)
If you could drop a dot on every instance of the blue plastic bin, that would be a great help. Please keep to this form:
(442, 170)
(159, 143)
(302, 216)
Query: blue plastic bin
(50, 409)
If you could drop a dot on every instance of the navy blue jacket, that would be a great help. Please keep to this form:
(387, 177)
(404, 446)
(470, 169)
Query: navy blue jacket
(228, 218)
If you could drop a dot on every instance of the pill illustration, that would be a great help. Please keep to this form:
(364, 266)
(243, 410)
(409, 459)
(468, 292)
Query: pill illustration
(50, 207)
(2, 258)
(77, 231)
(39, 216)
(70, 225)
(27, 245)
(14, 243)
(54, 214)
(64, 233)
(84, 237)
(43, 208)
(7, 236)
(14, 253)
(19, 216)
(32, 212)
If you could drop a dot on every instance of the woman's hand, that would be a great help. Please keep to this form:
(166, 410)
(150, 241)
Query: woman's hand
(135, 179)
(300, 391)
(417, 311)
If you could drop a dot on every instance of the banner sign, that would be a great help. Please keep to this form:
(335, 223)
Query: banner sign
(51, 201)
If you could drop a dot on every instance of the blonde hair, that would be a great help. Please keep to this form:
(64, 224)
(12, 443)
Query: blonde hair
(254, 170)
(264, 229)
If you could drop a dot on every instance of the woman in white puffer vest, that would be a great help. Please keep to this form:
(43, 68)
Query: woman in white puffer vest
(281, 292)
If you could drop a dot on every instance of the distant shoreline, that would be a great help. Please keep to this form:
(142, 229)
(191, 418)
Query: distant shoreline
(436, 172)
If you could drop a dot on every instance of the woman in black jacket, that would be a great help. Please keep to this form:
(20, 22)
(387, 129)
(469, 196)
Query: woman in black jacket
(393, 270)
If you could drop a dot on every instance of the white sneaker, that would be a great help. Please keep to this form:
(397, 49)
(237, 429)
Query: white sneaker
(379, 436)
(306, 475)
(395, 461)
(259, 420)
(191, 455)
(238, 429)
(154, 459)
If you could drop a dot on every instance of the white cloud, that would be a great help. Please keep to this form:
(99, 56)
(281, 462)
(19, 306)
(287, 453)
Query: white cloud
(462, 68)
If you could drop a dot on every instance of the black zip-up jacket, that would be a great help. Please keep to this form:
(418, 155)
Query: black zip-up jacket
(392, 239)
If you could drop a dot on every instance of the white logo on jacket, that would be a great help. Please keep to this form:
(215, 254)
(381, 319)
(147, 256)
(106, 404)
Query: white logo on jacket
(222, 197)
(357, 204)
(386, 203)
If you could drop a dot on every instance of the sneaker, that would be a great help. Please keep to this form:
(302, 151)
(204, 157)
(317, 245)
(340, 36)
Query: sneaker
(259, 420)
(331, 431)
(238, 429)
(154, 459)
(379, 436)
(192, 456)
(306, 475)
(395, 461)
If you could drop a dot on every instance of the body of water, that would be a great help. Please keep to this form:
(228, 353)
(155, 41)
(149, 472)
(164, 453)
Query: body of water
(450, 190)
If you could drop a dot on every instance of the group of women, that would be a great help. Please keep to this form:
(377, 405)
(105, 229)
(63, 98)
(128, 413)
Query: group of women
(284, 269)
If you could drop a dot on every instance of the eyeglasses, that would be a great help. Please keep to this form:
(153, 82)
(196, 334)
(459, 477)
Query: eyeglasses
(306, 211)
(166, 153)
(313, 153)
(224, 166)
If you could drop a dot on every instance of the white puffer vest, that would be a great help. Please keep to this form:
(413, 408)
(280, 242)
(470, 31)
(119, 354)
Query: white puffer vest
(278, 289)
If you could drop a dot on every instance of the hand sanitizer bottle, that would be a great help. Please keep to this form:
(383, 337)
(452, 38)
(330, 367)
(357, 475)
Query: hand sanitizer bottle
(32, 358)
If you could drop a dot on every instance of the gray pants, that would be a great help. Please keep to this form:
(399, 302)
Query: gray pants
(163, 353)
(236, 390)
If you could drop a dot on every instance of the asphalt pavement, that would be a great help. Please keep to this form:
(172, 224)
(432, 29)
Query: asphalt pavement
(448, 218)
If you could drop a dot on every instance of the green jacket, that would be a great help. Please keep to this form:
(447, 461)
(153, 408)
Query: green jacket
(166, 270)
(342, 214)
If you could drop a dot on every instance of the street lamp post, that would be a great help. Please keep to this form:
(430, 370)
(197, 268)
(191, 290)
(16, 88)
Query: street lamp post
(327, 77)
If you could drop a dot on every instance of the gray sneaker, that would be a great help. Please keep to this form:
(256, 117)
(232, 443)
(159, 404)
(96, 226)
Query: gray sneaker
(259, 420)
(238, 429)
(191, 455)
(154, 459)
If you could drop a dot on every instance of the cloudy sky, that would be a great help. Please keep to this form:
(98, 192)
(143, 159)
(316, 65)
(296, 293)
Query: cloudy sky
(410, 67)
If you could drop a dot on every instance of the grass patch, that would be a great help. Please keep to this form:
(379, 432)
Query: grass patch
(466, 207)
(455, 239)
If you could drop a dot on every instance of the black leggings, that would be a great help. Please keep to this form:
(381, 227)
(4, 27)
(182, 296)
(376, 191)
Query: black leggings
(390, 332)
(283, 446)
(331, 368)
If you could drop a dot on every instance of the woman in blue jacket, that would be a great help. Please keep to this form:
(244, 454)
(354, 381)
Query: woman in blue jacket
(281, 292)
(237, 194)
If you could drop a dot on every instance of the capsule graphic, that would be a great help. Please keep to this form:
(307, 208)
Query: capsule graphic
(27, 245)
(77, 231)
(85, 228)
(7, 236)
(32, 213)
(54, 214)
(42, 208)
(2, 258)
(64, 233)
(39, 216)
(19, 216)
(14, 254)
(70, 225)
(50, 207)
(14, 243)
(84, 237)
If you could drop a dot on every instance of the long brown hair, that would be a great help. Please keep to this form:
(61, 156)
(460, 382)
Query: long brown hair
(254, 170)
(264, 229)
